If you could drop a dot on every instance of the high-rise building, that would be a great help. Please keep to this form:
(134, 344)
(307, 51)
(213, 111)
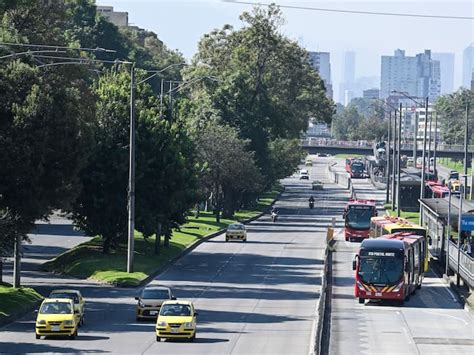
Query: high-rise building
(321, 61)
(446, 63)
(417, 76)
(468, 65)
(348, 69)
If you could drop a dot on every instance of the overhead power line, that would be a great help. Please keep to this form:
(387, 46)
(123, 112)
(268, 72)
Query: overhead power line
(357, 12)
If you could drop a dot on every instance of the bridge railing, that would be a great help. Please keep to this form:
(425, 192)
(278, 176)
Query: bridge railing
(466, 264)
(322, 142)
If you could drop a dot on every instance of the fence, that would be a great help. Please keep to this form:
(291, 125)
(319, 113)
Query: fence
(466, 264)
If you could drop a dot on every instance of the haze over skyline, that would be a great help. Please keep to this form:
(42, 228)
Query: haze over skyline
(180, 24)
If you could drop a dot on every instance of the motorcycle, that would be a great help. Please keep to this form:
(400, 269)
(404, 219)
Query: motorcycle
(311, 204)
(274, 216)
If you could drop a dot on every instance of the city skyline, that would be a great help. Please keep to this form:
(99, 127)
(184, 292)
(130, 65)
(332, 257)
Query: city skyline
(369, 37)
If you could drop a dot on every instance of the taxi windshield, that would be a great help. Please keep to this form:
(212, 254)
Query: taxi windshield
(56, 308)
(182, 310)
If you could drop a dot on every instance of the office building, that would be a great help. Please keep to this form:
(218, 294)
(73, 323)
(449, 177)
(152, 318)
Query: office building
(321, 61)
(468, 65)
(446, 63)
(371, 94)
(417, 76)
(119, 19)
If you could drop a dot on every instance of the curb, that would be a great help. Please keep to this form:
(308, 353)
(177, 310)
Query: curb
(321, 341)
(16, 315)
(197, 243)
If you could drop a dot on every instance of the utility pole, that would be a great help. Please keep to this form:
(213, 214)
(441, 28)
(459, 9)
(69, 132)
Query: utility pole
(415, 134)
(393, 159)
(131, 176)
(466, 135)
(423, 162)
(387, 173)
(399, 159)
(448, 235)
(435, 142)
(429, 143)
(17, 262)
(461, 193)
(161, 97)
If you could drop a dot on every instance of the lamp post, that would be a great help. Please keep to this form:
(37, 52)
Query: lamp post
(423, 163)
(398, 160)
(466, 137)
(448, 234)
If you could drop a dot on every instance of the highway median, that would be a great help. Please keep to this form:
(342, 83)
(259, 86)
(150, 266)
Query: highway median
(86, 261)
(14, 302)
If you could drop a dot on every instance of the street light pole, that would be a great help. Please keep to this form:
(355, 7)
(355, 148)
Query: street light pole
(415, 136)
(461, 190)
(448, 235)
(393, 158)
(423, 162)
(387, 173)
(435, 143)
(131, 175)
(398, 160)
(429, 143)
(466, 135)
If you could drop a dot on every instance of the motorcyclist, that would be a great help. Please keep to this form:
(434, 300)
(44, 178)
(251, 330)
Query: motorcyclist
(274, 213)
(311, 202)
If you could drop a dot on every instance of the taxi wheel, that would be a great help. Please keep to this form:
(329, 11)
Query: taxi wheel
(226, 239)
(38, 336)
(193, 338)
(158, 339)
(244, 240)
(74, 335)
(361, 300)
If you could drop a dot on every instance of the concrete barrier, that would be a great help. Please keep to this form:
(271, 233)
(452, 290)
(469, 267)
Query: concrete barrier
(340, 178)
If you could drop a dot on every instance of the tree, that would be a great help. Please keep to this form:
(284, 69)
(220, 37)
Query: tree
(451, 110)
(266, 88)
(45, 130)
(230, 169)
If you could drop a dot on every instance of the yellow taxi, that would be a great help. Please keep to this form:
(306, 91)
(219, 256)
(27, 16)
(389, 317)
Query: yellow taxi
(56, 317)
(77, 299)
(177, 319)
(150, 300)
(308, 162)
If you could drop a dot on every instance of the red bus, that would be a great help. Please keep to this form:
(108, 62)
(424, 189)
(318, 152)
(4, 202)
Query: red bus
(437, 190)
(389, 267)
(357, 216)
(355, 167)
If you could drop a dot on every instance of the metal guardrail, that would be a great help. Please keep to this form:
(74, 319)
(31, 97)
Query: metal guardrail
(466, 264)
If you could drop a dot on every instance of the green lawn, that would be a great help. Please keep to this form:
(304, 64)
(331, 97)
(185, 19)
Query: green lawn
(411, 216)
(453, 165)
(16, 300)
(88, 261)
(345, 156)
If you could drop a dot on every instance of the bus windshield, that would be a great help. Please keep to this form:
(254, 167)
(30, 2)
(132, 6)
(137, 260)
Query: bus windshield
(381, 270)
(357, 167)
(358, 217)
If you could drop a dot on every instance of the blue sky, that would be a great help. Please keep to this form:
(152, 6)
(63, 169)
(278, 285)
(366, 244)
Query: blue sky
(180, 24)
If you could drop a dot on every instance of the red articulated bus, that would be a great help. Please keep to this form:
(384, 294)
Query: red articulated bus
(355, 167)
(389, 267)
(357, 216)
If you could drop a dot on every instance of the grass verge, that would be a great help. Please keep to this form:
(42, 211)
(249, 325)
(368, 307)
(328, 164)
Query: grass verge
(345, 156)
(411, 216)
(15, 301)
(453, 165)
(87, 260)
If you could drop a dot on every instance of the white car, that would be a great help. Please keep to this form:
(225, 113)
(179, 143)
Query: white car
(304, 175)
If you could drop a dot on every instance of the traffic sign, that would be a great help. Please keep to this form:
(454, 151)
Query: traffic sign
(467, 222)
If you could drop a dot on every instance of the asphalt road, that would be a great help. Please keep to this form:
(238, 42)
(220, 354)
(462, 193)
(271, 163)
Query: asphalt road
(256, 297)
(431, 322)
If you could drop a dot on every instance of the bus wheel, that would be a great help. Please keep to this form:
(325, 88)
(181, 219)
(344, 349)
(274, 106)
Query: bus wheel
(418, 286)
(361, 300)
